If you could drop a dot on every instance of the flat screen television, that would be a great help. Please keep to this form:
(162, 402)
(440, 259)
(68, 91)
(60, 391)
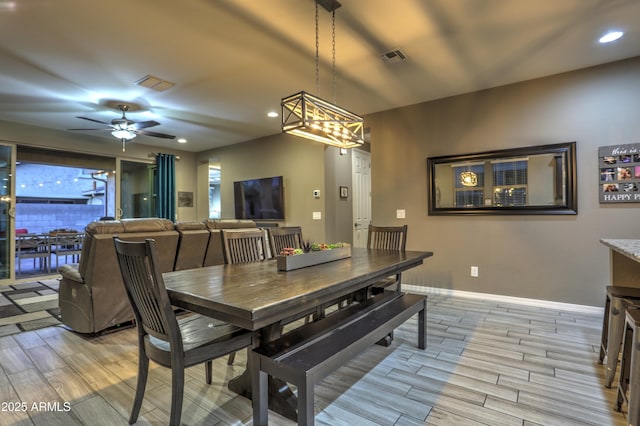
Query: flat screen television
(259, 199)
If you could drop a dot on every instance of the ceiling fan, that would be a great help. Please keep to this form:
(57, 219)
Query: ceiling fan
(124, 129)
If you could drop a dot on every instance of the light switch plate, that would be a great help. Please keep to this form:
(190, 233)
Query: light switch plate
(400, 214)
(317, 215)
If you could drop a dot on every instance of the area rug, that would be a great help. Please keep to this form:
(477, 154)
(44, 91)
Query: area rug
(29, 306)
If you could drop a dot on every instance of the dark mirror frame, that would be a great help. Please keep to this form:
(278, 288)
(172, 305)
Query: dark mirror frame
(566, 151)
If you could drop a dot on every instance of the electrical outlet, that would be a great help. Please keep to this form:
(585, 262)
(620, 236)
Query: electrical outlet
(474, 271)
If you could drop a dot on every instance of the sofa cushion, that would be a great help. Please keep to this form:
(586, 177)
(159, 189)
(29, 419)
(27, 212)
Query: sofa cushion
(229, 223)
(147, 225)
(105, 227)
(190, 226)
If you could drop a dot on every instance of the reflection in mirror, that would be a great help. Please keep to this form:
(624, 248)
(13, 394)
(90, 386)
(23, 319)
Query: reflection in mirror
(532, 180)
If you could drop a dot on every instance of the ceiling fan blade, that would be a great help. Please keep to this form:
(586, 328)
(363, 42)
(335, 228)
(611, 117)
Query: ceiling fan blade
(93, 119)
(154, 134)
(146, 124)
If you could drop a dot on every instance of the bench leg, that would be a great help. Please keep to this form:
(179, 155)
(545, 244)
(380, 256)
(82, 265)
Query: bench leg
(306, 415)
(422, 326)
(259, 380)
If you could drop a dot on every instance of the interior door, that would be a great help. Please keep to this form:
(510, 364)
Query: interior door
(361, 183)
(7, 212)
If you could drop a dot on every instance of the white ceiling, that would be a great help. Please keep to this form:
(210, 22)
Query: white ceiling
(233, 60)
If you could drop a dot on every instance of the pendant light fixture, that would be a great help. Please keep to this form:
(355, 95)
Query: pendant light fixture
(311, 117)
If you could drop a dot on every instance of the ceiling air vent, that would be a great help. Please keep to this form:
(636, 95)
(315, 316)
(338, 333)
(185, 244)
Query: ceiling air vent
(155, 83)
(394, 56)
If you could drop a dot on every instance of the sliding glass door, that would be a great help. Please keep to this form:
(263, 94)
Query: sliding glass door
(7, 209)
(137, 196)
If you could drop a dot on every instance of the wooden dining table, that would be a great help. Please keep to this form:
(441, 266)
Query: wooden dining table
(257, 296)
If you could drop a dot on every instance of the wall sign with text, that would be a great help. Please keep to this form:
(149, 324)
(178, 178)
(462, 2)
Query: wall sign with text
(619, 173)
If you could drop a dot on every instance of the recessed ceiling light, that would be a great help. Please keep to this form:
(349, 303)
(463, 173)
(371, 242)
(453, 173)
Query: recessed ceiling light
(611, 36)
(182, 140)
(272, 114)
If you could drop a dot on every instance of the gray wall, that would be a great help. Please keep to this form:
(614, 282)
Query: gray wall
(302, 165)
(339, 217)
(305, 166)
(555, 258)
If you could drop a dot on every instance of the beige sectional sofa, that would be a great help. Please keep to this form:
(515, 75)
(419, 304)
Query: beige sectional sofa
(92, 296)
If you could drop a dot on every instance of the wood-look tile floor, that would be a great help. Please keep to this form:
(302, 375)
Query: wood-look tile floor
(487, 363)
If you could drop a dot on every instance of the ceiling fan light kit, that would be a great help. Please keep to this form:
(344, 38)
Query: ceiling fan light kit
(125, 130)
(123, 134)
(313, 118)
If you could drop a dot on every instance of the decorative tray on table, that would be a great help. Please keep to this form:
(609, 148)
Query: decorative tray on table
(312, 254)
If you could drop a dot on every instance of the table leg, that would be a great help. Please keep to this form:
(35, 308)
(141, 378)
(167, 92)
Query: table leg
(282, 400)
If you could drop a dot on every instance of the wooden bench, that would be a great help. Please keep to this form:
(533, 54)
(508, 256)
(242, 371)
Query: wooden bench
(309, 353)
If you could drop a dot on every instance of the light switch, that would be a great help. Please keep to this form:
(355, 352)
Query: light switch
(317, 215)
(400, 214)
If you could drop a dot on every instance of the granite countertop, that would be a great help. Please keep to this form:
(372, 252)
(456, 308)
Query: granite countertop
(627, 247)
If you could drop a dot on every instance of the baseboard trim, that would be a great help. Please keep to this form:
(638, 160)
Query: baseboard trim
(500, 298)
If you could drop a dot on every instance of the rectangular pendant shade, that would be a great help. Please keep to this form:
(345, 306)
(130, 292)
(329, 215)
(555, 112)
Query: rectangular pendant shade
(313, 118)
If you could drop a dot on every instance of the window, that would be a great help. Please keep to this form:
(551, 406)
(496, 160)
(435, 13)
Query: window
(510, 182)
(469, 184)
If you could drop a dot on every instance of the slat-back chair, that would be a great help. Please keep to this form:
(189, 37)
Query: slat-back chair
(387, 238)
(284, 237)
(244, 246)
(67, 244)
(289, 237)
(172, 343)
(33, 246)
(392, 238)
(378, 238)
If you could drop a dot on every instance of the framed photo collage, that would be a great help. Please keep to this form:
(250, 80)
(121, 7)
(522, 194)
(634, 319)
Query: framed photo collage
(619, 173)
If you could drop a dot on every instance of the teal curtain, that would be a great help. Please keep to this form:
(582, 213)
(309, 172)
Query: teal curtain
(166, 186)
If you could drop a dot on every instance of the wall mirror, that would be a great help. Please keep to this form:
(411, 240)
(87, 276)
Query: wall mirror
(531, 180)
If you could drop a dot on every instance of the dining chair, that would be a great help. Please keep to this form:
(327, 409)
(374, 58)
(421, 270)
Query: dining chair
(387, 238)
(244, 246)
(284, 237)
(290, 237)
(36, 247)
(65, 244)
(168, 341)
(392, 238)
